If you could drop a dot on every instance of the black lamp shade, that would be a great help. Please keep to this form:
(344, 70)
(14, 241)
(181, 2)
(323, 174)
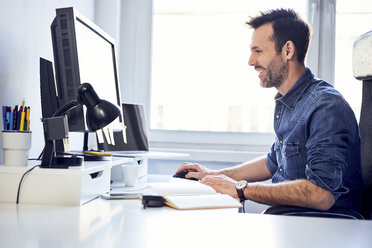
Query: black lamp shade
(100, 112)
(101, 115)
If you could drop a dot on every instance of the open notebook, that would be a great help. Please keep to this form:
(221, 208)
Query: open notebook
(186, 194)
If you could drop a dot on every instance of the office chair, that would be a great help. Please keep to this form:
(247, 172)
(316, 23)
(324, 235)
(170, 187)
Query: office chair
(362, 70)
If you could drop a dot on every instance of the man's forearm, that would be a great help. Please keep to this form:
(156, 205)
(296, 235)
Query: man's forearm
(300, 193)
(251, 171)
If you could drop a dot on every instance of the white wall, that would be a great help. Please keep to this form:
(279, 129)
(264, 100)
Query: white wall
(24, 37)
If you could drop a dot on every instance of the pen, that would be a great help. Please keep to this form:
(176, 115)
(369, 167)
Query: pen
(4, 118)
(19, 113)
(25, 121)
(28, 118)
(14, 119)
(23, 104)
(22, 113)
(22, 122)
(7, 117)
(11, 120)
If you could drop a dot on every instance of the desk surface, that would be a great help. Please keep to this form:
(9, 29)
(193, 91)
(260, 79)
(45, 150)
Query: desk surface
(124, 223)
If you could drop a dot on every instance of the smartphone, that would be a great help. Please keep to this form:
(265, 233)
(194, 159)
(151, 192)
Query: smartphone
(118, 196)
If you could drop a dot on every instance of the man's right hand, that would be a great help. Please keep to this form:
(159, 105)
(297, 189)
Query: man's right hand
(199, 171)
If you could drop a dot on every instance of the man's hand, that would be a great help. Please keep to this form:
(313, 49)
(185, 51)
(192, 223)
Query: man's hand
(199, 170)
(222, 184)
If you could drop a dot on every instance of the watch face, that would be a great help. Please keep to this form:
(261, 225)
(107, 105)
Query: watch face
(241, 184)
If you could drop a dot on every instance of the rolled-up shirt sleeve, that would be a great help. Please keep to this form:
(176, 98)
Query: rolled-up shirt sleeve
(329, 140)
(271, 161)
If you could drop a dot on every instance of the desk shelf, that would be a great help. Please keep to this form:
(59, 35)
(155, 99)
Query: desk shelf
(74, 186)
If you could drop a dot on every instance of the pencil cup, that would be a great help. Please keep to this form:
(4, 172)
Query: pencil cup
(16, 145)
(130, 172)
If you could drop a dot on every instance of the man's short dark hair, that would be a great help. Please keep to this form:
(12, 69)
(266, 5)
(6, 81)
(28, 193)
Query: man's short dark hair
(287, 25)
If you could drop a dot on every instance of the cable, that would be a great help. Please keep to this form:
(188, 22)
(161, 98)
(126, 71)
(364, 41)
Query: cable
(20, 182)
(41, 154)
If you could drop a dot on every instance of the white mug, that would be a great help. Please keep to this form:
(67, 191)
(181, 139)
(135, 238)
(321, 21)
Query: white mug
(130, 172)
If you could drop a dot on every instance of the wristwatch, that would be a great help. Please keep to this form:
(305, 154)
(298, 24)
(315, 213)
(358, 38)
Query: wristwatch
(240, 186)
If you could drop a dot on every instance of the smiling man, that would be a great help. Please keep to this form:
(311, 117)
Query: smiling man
(314, 161)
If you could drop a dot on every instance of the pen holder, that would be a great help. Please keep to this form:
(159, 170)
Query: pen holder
(16, 145)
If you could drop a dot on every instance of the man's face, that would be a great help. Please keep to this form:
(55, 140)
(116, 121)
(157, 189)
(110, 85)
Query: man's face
(272, 67)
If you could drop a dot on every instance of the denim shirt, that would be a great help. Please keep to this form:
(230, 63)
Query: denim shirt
(317, 139)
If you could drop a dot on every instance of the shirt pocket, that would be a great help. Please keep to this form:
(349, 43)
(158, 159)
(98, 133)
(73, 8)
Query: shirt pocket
(291, 149)
(294, 166)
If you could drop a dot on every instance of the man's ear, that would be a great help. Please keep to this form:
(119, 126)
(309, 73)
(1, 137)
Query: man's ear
(288, 50)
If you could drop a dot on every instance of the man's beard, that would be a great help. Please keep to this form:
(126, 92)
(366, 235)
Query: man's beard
(276, 74)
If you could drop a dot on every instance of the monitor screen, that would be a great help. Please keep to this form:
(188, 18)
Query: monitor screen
(83, 53)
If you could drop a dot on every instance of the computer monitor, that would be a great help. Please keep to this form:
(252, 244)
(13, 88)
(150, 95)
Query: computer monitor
(83, 53)
(136, 131)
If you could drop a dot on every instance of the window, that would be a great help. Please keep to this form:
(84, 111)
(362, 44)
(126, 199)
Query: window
(200, 78)
(353, 18)
(202, 93)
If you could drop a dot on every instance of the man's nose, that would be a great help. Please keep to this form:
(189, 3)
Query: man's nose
(251, 60)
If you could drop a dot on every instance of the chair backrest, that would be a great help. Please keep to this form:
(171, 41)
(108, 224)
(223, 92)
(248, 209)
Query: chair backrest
(362, 70)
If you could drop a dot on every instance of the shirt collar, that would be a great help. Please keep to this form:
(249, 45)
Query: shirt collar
(293, 95)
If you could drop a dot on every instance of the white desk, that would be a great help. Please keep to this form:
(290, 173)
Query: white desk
(124, 223)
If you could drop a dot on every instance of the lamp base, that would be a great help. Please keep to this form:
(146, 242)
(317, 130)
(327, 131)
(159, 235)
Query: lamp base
(89, 157)
(63, 162)
(92, 155)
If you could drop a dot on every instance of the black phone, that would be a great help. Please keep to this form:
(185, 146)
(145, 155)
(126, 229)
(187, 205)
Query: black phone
(153, 201)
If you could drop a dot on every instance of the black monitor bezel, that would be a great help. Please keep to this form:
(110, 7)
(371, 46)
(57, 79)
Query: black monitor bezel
(63, 26)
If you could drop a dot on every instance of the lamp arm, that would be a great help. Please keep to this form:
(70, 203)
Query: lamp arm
(62, 110)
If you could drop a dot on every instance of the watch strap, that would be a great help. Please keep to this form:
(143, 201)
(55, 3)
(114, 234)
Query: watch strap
(240, 192)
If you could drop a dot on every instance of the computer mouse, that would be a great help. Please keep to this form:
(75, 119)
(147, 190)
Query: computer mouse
(183, 173)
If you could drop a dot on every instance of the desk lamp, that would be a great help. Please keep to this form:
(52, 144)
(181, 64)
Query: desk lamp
(99, 114)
